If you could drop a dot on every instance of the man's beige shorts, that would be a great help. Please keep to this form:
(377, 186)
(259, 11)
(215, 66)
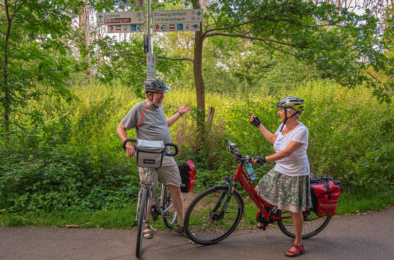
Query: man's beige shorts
(169, 173)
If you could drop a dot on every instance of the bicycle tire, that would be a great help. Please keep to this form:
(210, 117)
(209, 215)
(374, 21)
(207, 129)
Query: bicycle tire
(167, 202)
(141, 223)
(202, 225)
(313, 225)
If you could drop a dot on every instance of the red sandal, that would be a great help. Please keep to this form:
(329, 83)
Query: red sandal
(300, 250)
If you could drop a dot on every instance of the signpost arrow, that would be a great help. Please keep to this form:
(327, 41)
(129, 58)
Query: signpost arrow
(181, 16)
(121, 18)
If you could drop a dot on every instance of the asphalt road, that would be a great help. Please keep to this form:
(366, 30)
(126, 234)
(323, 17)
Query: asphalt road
(367, 236)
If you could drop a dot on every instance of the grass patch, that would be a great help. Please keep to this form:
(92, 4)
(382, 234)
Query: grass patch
(352, 202)
(357, 201)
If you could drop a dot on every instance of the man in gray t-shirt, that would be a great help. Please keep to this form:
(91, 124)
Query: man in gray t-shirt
(150, 123)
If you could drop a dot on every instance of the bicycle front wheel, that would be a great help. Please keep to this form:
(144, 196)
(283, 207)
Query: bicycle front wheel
(169, 217)
(143, 207)
(213, 215)
(313, 224)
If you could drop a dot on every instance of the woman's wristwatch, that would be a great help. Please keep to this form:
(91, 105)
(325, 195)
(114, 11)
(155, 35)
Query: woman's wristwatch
(180, 113)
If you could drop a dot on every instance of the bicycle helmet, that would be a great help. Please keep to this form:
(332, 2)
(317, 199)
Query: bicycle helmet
(153, 85)
(291, 102)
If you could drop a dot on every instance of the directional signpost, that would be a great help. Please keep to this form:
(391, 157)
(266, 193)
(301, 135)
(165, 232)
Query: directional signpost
(177, 20)
(132, 3)
(121, 18)
(176, 27)
(128, 28)
(163, 21)
(182, 16)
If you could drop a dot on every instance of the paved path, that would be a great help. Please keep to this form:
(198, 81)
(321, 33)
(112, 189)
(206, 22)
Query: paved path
(369, 236)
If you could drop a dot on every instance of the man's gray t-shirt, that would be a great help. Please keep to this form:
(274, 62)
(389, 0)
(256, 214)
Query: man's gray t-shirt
(149, 123)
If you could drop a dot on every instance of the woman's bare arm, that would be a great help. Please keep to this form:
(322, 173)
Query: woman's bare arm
(289, 150)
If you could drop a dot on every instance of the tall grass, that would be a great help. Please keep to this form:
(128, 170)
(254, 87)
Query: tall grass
(76, 147)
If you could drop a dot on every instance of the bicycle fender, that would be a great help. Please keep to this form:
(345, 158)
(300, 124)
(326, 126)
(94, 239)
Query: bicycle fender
(218, 187)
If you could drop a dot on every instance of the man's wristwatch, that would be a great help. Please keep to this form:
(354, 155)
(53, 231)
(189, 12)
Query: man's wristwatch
(180, 113)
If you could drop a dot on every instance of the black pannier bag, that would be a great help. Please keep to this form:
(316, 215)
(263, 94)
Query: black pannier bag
(187, 171)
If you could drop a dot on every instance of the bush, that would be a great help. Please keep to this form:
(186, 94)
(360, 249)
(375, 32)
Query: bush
(62, 179)
(71, 156)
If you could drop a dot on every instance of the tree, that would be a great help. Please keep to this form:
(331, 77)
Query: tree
(304, 30)
(34, 51)
(338, 43)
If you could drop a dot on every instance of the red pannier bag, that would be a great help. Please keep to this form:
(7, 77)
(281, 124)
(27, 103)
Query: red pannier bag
(325, 197)
(188, 175)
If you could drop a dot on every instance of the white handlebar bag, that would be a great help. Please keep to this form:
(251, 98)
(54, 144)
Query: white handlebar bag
(150, 153)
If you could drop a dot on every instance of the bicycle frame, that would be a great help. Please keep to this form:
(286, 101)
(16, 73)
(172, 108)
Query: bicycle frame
(147, 183)
(245, 182)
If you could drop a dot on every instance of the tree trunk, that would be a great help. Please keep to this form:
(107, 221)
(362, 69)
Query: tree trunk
(199, 81)
(87, 35)
(7, 94)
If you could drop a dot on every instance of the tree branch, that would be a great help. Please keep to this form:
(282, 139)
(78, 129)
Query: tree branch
(17, 9)
(167, 58)
(248, 37)
(370, 74)
(278, 49)
(232, 26)
(134, 66)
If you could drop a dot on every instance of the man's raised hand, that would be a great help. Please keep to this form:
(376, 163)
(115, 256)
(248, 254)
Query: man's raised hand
(184, 109)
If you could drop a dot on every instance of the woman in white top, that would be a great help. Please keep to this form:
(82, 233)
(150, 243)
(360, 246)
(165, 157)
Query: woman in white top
(287, 185)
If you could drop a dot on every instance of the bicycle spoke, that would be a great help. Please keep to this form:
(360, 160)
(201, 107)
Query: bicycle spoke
(207, 224)
(313, 224)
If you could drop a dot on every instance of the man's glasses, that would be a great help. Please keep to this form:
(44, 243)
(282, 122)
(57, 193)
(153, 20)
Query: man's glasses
(159, 94)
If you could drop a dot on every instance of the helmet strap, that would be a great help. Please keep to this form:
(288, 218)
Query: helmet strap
(151, 100)
(286, 118)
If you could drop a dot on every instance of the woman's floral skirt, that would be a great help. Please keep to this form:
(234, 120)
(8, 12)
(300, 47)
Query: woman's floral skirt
(290, 193)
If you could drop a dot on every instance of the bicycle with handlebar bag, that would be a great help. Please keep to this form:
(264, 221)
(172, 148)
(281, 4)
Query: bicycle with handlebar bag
(150, 155)
(215, 213)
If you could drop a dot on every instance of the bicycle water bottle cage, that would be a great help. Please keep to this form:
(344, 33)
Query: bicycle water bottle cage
(150, 153)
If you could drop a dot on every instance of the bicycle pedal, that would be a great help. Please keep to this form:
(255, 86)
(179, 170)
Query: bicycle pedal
(168, 215)
(154, 213)
(261, 226)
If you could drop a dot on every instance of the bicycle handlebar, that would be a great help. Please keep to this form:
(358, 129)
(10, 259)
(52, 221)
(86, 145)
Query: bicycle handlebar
(169, 144)
(235, 152)
(128, 140)
(176, 149)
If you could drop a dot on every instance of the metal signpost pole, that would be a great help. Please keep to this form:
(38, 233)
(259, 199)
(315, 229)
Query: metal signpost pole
(150, 57)
(149, 17)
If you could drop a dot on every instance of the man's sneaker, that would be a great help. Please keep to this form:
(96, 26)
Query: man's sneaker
(180, 230)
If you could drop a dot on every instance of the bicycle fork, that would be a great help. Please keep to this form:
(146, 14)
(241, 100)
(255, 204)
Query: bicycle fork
(214, 215)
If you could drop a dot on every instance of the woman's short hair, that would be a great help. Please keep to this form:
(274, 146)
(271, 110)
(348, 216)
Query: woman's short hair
(298, 115)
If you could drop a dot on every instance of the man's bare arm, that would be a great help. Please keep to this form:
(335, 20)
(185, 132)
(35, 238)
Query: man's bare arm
(121, 131)
(174, 118)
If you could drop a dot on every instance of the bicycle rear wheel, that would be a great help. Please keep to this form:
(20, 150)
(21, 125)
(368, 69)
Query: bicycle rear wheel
(313, 224)
(143, 207)
(169, 217)
(207, 221)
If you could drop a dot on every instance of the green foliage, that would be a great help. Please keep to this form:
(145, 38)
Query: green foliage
(75, 160)
(33, 50)
(62, 178)
(331, 39)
